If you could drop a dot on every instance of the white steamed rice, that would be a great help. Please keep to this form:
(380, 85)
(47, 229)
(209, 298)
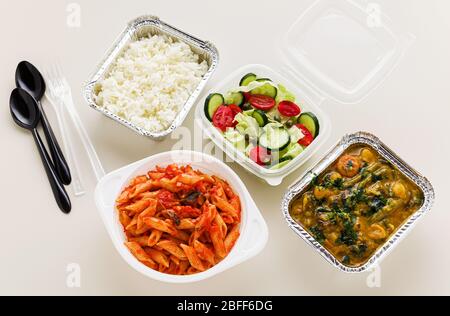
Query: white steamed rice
(151, 81)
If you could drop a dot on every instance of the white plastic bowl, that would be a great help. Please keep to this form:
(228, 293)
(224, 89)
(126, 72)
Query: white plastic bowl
(253, 228)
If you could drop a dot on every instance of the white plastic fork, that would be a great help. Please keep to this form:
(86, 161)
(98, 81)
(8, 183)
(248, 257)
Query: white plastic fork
(52, 94)
(60, 94)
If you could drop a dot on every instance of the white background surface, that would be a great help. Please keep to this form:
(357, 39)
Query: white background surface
(410, 111)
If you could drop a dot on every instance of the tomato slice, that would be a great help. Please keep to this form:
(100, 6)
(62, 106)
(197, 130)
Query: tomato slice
(288, 108)
(308, 137)
(223, 118)
(260, 155)
(235, 109)
(261, 102)
(247, 96)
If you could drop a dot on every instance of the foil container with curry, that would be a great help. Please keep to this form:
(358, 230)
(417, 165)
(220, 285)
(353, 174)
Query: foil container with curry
(357, 203)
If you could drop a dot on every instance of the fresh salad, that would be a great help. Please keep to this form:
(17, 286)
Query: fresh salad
(263, 120)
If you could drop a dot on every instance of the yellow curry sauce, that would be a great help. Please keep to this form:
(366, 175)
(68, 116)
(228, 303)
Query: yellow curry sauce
(356, 204)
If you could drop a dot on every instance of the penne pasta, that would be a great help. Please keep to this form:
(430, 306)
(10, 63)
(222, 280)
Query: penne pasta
(217, 241)
(231, 238)
(205, 238)
(189, 179)
(191, 270)
(158, 256)
(224, 206)
(228, 191)
(137, 180)
(236, 203)
(148, 195)
(218, 189)
(194, 260)
(124, 219)
(172, 268)
(150, 211)
(124, 197)
(204, 252)
(155, 223)
(172, 248)
(141, 240)
(218, 220)
(171, 185)
(144, 229)
(186, 223)
(138, 206)
(181, 235)
(132, 223)
(207, 178)
(228, 219)
(209, 212)
(182, 267)
(140, 254)
(140, 188)
(176, 260)
(155, 175)
(178, 220)
(154, 237)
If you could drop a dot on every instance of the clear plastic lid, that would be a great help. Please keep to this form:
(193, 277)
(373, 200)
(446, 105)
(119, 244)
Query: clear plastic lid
(335, 49)
(344, 49)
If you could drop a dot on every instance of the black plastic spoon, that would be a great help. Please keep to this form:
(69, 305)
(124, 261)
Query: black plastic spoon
(30, 79)
(25, 112)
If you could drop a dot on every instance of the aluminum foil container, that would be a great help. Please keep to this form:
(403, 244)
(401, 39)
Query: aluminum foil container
(302, 184)
(138, 28)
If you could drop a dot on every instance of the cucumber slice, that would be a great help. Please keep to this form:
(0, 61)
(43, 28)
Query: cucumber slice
(275, 139)
(283, 162)
(212, 103)
(236, 138)
(263, 79)
(260, 117)
(247, 79)
(293, 150)
(311, 123)
(267, 89)
(249, 112)
(236, 98)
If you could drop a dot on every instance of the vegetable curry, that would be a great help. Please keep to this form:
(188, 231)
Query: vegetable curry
(356, 204)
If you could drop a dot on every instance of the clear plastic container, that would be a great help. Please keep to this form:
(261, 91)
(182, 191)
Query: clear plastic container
(340, 50)
(273, 177)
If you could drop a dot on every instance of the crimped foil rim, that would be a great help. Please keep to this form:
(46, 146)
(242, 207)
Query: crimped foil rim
(330, 157)
(126, 34)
